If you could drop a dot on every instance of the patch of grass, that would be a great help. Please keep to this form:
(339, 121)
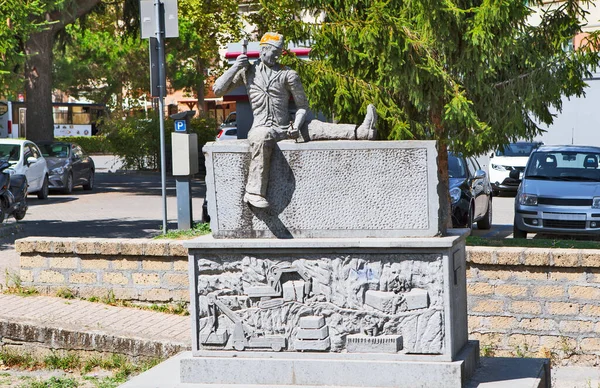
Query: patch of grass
(487, 350)
(53, 382)
(69, 362)
(14, 285)
(196, 231)
(177, 308)
(532, 243)
(65, 293)
(13, 359)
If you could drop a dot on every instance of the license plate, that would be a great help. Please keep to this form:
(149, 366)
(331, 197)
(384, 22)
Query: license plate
(564, 216)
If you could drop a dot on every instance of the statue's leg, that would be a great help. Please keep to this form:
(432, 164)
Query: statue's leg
(319, 130)
(262, 141)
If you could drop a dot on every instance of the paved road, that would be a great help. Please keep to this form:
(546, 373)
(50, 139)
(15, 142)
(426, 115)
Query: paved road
(126, 205)
(502, 218)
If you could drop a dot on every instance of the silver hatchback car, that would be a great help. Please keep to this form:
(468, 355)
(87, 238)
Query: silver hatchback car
(559, 192)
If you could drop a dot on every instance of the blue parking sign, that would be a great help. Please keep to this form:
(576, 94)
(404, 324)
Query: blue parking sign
(180, 126)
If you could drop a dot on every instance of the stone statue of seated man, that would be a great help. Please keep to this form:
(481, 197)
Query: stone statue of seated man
(270, 86)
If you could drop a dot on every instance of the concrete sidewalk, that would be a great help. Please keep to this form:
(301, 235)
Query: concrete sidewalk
(74, 324)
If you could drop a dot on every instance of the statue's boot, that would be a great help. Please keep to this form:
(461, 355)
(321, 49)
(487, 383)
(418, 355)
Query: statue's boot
(367, 130)
(256, 200)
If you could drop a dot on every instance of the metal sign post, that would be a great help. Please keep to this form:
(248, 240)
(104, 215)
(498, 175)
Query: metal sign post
(152, 14)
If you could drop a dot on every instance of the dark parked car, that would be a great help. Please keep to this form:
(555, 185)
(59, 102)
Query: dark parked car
(470, 193)
(560, 192)
(68, 165)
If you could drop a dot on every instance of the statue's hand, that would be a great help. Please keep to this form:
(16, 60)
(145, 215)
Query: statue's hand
(293, 133)
(242, 61)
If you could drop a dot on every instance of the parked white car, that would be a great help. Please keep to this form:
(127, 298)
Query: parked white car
(511, 157)
(26, 158)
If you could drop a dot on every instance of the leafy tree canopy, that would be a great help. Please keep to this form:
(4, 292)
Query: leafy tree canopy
(472, 74)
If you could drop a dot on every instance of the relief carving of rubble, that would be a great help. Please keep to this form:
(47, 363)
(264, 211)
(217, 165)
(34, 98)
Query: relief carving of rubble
(372, 303)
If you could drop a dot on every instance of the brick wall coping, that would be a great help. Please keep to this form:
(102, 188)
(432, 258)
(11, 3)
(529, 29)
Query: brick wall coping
(551, 257)
(101, 246)
(540, 257)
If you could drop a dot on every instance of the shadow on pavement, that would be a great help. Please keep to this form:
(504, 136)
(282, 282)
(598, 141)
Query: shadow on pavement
(108, 228)
(142, 183)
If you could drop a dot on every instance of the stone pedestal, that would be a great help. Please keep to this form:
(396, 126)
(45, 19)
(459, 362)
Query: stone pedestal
(348, 280)
(409, 293)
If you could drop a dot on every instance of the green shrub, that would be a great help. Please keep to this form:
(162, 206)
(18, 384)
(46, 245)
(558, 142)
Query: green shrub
(136, 140)
(91, 144)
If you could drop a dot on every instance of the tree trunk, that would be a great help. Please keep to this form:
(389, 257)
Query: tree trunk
(38, 70)
(445, 215)
(38, 87)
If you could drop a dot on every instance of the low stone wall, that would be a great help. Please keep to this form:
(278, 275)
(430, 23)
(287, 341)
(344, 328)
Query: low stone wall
(141, 269)
(535, 302)
(521, 302)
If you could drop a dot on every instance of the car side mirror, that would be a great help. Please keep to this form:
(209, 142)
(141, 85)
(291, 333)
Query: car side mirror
(491, 155)
(31, 160)
(514, 174)
(479, 174)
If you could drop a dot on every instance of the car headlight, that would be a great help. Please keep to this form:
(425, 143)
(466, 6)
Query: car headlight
(596, 203)
(57, 171)
(528, 199)
(455, 195)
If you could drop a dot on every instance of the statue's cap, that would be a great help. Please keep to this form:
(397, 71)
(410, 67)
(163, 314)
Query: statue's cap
(273, 39)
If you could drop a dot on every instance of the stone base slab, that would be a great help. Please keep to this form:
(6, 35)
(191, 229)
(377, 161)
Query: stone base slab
(332, 370)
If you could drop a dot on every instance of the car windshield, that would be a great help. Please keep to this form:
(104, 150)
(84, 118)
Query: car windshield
(10, 152)
(564, 166)
(517, 149)
(55, 150)
(456, 167)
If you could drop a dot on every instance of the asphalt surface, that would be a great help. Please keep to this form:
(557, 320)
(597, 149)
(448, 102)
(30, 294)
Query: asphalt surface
(121, 205)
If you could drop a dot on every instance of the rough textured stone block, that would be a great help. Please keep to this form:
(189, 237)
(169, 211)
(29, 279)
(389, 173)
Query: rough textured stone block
(114, 278)
(94, 263)
(83, 278)
(362, 188)
(64, 262)
(157, 264)
(359, 343)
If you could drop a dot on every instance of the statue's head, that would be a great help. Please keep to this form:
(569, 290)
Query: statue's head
(271, 47)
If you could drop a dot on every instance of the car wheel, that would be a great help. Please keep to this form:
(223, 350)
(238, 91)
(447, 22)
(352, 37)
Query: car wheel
(486, 221)
(43, 193)
(518, 233)
(90, 182)
(68, 189)
(21, 213)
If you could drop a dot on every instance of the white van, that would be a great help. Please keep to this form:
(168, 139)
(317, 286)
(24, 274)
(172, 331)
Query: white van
(8, 128)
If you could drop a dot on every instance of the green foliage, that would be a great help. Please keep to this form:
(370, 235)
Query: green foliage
(52, 382)
(136, 140)
(197, 230)
(101, 61)
(12, 358)
(65, 293)
(472, 74)
(70, 361)
(21, 19)
(14, 285)
(91, 144)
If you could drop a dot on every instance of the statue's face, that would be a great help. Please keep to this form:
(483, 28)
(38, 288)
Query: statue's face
(269, 54)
